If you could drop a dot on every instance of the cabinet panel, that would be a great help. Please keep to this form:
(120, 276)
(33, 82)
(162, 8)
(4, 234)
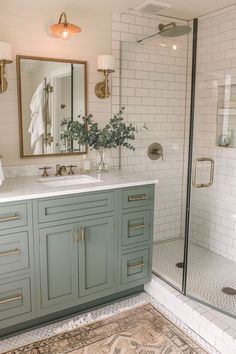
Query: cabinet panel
(135, 266)
(15, 298)
(58, 264)
(14, 252)
(136, 227)
(137, 197)
(77, 206)
(13, 216)
(96, 255)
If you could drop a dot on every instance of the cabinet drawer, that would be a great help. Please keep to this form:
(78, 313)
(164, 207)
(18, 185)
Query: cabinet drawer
(72, 207)
(136, 227)
(15, 298)
(135, 266)
(13, 216)
(14, 252)
(136, 197)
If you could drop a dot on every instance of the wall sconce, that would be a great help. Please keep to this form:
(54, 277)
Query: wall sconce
(105, 64)
(5, 58)
(64, 29)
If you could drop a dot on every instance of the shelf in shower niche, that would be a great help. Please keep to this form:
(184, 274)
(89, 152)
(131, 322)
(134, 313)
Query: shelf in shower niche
(227, 111)
(225, 116)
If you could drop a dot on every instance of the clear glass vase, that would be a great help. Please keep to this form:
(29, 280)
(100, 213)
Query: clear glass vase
(102, 164)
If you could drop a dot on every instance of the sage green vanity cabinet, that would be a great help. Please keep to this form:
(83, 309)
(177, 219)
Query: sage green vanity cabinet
(69, 207)
(135, 265)
(136, 235)
(58, 265)
(75, 260)
(62, 252)
(17, 281)
(96, 255)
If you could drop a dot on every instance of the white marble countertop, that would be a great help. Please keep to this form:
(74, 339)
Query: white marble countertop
(24, 188)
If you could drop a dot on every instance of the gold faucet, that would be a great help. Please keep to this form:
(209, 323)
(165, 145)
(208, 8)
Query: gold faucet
(60, 170)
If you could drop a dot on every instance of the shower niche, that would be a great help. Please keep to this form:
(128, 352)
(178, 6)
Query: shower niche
(226, 116)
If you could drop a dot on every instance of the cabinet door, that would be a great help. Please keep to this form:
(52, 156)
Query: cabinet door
(96, 255)
(58, 264)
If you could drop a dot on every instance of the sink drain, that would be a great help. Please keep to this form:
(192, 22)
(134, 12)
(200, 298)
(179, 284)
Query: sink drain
(180, 265)
(228, 291)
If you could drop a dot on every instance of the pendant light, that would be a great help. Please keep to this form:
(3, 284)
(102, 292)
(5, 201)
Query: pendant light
(63, 28)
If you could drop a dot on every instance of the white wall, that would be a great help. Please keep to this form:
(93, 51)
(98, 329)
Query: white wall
(28, 35)
(153, 90)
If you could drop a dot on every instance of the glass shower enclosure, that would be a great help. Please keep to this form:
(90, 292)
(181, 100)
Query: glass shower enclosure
(182, 86)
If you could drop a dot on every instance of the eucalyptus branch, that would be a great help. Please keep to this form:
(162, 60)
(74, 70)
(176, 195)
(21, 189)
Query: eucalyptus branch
(116, 133)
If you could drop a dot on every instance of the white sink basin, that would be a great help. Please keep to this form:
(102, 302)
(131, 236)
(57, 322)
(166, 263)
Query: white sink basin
(63, 181)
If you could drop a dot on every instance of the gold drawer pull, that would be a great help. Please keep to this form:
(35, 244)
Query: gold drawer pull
(136, 227)
(135, 198)
(136, 266)
(10, 253)
(82, 234)
(18, 297)
(10, 218)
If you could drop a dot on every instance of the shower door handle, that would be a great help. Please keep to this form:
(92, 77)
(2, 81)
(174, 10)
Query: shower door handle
(211, 176)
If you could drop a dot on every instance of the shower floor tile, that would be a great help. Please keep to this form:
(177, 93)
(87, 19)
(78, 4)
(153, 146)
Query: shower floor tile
(208, 273)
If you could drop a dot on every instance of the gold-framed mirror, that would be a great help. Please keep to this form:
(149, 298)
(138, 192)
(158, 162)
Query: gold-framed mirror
(51, 92)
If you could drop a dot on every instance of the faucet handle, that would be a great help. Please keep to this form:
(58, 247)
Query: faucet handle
(45, 173)
(71, 172)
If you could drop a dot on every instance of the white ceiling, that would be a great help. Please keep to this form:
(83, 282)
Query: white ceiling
(186, 9)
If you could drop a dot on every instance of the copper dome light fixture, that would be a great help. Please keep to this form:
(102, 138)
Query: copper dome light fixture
(63, 28)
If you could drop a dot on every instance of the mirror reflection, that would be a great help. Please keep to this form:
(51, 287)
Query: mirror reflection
(51, 93)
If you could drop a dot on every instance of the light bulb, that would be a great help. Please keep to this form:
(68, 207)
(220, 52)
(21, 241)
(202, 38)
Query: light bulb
(174, 47)
(65, 34)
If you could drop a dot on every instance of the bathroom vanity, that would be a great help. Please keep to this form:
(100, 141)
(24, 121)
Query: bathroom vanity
(66, 249)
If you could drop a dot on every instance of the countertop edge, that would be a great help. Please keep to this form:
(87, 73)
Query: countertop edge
(71, 191)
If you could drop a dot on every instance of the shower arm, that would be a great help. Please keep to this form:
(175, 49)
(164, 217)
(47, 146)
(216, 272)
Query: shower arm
(162, 28)
(150, 36)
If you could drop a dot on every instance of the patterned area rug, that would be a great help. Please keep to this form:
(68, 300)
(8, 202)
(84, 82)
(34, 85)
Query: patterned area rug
(142, 330)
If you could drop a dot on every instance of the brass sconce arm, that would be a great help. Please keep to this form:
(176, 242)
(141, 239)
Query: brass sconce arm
(5, 58)
(102, 89)
(106, 65)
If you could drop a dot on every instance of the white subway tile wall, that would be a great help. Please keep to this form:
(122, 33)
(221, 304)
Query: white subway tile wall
(214, 209)
(153, 80)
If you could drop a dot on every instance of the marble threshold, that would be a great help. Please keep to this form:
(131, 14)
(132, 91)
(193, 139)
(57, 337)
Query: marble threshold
(217, 329)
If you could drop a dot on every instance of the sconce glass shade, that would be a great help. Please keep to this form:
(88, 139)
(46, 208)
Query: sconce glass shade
(5, 52)
(64, 29)
(106, 63)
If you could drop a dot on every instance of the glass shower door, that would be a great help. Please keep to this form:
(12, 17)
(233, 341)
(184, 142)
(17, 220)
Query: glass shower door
(211, 266)
(155, 92)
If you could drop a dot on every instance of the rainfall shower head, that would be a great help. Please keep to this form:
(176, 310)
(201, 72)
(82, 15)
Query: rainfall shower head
(170, 30)
(173, 30)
